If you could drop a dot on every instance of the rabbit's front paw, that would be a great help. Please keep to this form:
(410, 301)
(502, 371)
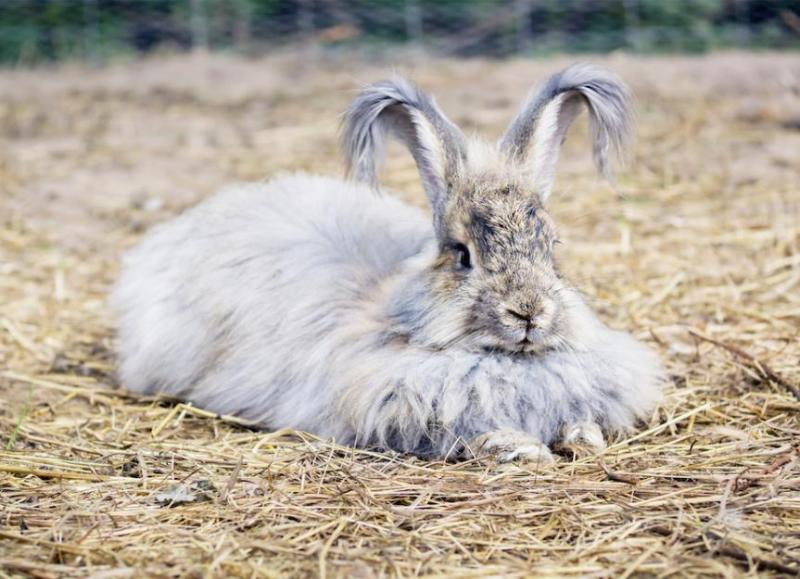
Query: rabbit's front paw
(508, 446)
(582, 439)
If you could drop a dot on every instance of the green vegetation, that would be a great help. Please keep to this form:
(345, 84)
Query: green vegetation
(40, 30)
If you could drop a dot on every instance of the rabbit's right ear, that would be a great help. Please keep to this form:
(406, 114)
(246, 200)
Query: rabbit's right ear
(399, 108)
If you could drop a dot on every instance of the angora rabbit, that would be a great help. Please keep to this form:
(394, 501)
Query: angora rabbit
(322, 305)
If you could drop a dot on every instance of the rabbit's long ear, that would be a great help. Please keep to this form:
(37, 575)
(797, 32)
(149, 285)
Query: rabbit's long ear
(536, 134)
(399, 108)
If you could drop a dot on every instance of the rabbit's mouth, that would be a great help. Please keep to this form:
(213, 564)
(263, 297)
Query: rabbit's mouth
(538, 347)
(538, 344)
(494, 333)
(526, 345)
(516, 332)
(525, 348)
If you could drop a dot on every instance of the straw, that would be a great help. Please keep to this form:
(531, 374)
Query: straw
(700, 258)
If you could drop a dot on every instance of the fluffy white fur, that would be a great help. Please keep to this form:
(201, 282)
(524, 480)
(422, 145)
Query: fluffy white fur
(314, 303)
(269, 302)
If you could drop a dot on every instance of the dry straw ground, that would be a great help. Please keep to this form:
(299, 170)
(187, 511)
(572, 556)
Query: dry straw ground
(699, 255)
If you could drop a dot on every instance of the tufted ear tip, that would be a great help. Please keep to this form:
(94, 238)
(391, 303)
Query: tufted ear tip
(396, 107)
(366, 122)
(537, 132)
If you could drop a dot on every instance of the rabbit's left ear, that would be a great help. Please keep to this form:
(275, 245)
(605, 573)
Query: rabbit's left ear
(536, 134)
(396, 107)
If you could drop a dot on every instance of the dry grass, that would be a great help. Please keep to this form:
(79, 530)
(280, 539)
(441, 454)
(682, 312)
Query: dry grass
(701, 257)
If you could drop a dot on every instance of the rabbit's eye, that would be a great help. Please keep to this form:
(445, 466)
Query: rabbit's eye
(462, 255)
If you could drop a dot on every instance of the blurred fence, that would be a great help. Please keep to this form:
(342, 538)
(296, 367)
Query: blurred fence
(39, 30)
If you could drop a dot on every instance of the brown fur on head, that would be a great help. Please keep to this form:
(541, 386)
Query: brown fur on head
(495, 264)
(497, 260)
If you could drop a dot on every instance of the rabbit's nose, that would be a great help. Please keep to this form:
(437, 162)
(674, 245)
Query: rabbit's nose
(524, 317)
(519, 315)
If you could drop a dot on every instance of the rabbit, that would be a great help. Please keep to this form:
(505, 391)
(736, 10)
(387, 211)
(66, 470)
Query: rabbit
(326, 306)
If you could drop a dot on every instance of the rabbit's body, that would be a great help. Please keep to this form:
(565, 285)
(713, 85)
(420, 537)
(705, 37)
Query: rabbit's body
(316, 304)
(242, 303)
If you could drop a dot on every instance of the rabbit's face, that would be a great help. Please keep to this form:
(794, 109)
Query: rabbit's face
(494, 282)
(497, 260)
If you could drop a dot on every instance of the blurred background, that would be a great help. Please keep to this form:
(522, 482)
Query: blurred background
(33, 31)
